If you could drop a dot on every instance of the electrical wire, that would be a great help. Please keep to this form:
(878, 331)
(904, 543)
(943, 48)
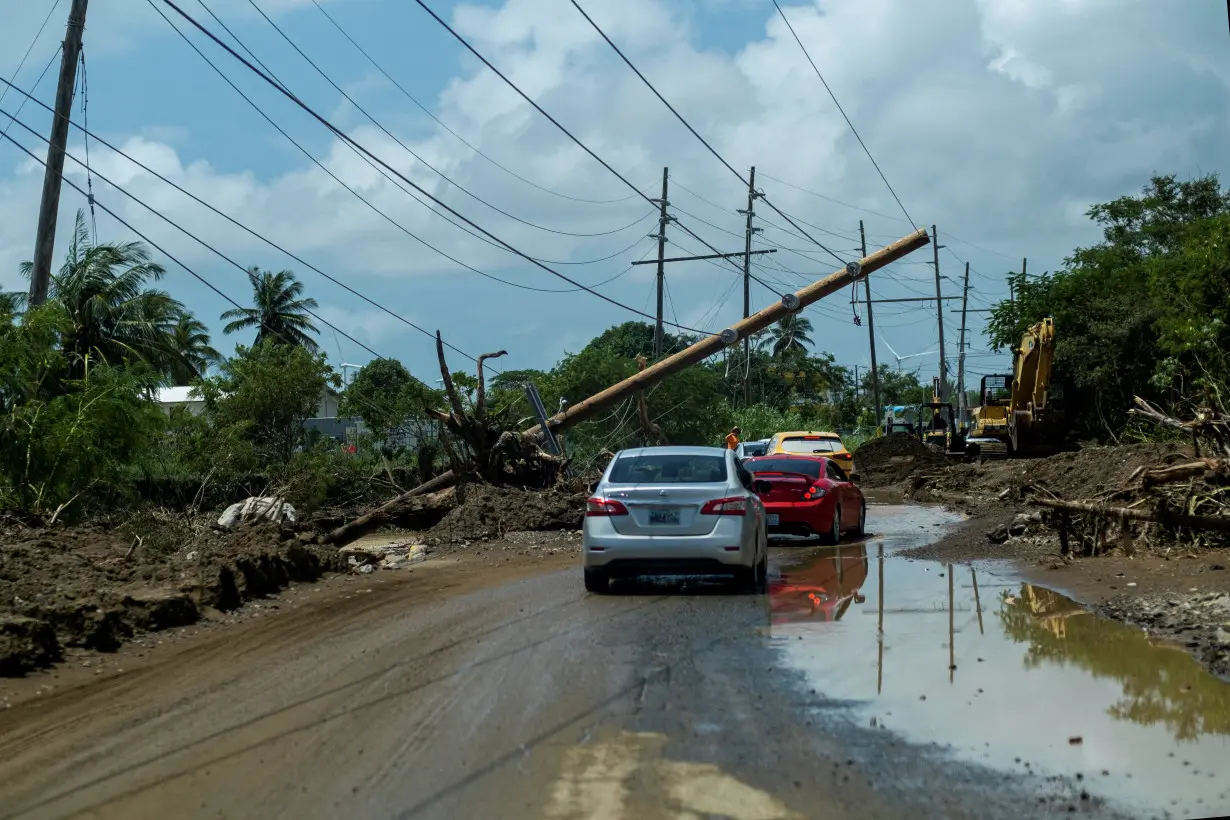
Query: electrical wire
(22, 105)
(378, 169)
(33, 42)
(85, 119)
(460, 138)
(550, 118)
(346, 138)
(411, 152)
(688, 125)
(866, 150)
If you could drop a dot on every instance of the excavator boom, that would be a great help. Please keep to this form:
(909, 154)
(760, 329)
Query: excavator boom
(1026, 417)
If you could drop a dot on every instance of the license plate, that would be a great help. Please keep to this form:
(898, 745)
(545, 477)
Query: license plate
(772, 520)
(664, 516)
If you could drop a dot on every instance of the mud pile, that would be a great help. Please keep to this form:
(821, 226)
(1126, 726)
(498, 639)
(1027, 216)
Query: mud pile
(489, 512)
(893, 458)
(88, 587)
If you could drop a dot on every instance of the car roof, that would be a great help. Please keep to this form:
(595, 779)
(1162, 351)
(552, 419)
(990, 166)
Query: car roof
(673, 450)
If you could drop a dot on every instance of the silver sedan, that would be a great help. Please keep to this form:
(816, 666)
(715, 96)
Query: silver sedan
(675, 510)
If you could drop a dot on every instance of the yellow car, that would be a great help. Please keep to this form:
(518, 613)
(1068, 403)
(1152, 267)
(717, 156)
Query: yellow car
(804, 442)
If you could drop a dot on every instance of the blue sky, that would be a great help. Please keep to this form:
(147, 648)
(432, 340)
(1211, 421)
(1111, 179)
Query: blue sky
(998, 121)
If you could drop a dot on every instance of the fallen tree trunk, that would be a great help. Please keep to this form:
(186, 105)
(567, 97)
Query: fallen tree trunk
(1196, 522)
(1211, 469)
(691, 355)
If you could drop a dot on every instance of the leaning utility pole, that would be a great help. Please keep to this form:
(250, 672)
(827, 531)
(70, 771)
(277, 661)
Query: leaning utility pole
(45, 239)
(871, 329)
(939, 313)
(961, 401)
(663, 218)
(694, 354)
(747, 283)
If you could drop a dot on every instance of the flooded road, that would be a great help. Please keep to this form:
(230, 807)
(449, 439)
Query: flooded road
(1003, 674)
(864, 685)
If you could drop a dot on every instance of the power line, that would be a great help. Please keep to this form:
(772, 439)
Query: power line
(33, 42)
(411, 152)
(460, 138)
(843, 112)
(375, 167)
(346, 138)
(245, 228)
(37, 82)
(688, 125)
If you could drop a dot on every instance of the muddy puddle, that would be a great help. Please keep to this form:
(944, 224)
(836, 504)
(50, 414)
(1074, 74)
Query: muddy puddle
(1001, 673)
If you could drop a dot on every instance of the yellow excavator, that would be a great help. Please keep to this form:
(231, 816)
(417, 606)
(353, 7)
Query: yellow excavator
(1021, 414)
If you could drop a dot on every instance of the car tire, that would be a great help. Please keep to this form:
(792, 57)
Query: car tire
(597, 581)
(862, 520)
(833, 536)
(762, 574)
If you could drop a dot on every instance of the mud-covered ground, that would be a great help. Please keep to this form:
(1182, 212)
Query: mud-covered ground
(95, 588)
(1165, 583)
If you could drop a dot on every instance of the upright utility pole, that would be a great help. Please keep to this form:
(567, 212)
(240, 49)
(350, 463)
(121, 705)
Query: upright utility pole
(663, 218)
(961, 400)
(45, 239)
(871, 327)
(747, 283)
(939, 313)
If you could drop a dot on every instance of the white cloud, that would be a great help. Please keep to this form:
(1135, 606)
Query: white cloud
(998, 121)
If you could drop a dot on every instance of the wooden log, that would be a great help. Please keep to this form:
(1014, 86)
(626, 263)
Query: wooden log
(1196, 522)
(1180, 472)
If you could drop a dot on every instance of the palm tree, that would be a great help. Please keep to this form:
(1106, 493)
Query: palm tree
(789, 336)
(191, 340)
(279, 310)
(110, 314)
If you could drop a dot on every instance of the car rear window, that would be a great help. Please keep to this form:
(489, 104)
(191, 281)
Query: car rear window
(805, 466)
(811, 444)
(668, 469)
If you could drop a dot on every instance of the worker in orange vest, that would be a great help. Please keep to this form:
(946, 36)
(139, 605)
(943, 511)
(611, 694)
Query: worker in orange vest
(732, 438)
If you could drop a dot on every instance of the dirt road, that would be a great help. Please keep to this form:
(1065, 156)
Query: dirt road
(459, 693)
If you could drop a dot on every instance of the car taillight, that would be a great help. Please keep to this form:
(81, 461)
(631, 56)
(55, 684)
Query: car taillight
(604, 507)
(725, 506)
(813, 492)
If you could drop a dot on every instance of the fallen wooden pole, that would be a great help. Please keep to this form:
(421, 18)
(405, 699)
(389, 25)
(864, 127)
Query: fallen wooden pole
(696, 353)
(1196, 522)
(1205, 467)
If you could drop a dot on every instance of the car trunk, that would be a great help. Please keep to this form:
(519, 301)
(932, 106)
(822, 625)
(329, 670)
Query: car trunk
(784, 487)
(655, 509)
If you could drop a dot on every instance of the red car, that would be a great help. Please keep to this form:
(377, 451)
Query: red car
(809, 496)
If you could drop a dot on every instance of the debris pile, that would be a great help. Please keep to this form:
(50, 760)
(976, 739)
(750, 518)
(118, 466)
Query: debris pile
(363, 558)
(89, 587)
(893, 458)
(1179, 501)
(490, 512)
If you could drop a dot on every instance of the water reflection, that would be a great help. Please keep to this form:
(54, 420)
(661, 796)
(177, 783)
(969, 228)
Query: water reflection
(1162, 684)
(821, 587)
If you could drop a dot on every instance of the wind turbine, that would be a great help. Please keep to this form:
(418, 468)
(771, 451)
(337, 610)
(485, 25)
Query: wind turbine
(908, 356)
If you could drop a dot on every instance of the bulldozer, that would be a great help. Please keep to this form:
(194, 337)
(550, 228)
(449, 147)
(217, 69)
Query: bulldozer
(938, 426)
(1021, 414)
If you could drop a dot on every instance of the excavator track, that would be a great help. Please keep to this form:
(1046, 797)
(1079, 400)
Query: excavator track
(992, 449)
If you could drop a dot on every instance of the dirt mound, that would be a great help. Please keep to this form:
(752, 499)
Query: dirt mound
(1085, 473)
(95, 589)
(893, 458)
(489, 512)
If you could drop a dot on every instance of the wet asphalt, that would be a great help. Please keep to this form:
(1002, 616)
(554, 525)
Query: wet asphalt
(865, 685)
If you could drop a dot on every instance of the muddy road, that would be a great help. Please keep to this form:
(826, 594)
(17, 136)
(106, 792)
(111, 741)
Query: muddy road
(865, 685)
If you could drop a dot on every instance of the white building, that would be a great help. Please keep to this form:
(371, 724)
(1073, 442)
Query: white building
(190, 399)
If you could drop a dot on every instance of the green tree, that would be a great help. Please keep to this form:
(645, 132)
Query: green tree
(110, 315)
(279, 311)
(194, 355)
(790, 335)
(1141, 313)
(268, 391)
(390, 401)
(632, 339)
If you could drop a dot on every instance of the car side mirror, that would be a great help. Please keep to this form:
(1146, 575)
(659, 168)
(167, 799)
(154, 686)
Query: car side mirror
(854, 478)
(761, 486)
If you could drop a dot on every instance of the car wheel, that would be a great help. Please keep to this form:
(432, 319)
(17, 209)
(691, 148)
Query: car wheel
(834, 534)
(597, 581)
(862, 520)
(762, 574)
